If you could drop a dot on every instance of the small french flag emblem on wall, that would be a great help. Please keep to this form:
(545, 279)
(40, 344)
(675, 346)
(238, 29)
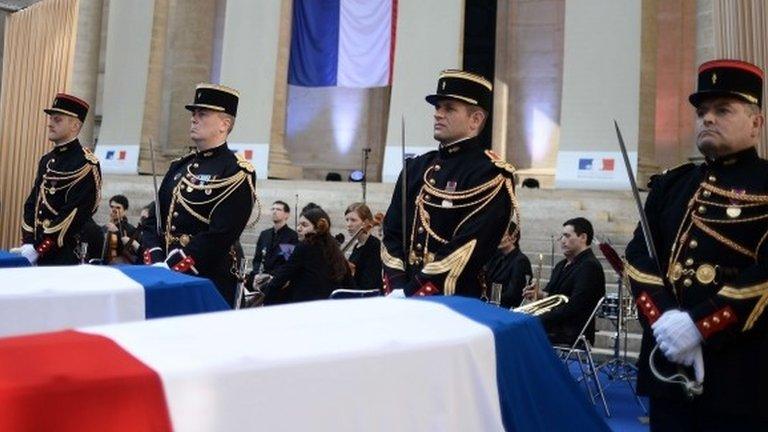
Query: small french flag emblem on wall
(112, 153)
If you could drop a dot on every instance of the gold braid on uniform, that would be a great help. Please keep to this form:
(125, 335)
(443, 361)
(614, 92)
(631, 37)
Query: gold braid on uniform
(475, 198)
(738, 201)
(64, 182)
(220, 189)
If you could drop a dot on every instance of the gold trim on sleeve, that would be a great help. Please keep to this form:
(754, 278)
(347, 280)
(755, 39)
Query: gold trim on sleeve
(644, 278)
(26, 227)
(453, 264)
(759, 290)
(390, 261)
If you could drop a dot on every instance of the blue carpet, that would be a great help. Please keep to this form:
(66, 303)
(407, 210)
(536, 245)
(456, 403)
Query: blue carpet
(625, 411)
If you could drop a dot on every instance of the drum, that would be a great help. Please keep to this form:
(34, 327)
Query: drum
(610, 307)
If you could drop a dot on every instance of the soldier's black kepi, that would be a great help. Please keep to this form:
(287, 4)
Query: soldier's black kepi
(215, 97)
(68, 105)
(733, 78)
(463, 86)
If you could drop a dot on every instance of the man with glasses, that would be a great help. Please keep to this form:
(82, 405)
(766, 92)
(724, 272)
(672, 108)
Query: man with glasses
(273, 248)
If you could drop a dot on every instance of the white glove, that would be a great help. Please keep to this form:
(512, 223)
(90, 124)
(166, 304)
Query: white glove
(161, 264)
(28, 251)
(676, 334)
(398, 293)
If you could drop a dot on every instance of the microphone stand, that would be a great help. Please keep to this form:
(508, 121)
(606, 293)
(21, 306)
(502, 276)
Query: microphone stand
(366, 152)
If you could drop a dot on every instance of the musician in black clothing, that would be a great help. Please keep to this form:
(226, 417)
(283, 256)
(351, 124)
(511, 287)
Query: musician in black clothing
(580, 277)
(317, 266)
(509, 267)
(273, 248)
(65, 193)
(120, 244)
(205, 199)
(366, 252)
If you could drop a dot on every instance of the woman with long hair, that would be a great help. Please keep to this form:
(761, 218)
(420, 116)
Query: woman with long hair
(366, 252)
(316, 267)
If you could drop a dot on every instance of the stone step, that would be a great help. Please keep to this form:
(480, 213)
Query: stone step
(605, 340)
(632, 325)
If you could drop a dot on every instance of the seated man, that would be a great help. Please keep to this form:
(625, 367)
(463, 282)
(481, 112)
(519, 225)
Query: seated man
(120, 245)
(509, 267)
(580, 277)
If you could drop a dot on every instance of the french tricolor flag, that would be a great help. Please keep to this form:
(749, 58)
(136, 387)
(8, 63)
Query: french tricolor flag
(443, 364)
(342, 43)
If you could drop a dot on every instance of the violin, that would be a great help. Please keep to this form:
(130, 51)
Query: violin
(378, 218)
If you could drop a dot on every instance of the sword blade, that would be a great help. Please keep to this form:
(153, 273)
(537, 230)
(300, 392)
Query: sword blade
(636, 194)
(154, 185)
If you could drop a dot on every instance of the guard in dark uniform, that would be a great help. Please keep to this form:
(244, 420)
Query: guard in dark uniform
(66, 190)
(205, 199)
(459, 199)
(703, 303)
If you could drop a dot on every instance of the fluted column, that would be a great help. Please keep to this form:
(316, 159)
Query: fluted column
(740, 32)
(86, 64)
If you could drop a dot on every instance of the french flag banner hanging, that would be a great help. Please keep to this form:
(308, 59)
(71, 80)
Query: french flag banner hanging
(342, 43)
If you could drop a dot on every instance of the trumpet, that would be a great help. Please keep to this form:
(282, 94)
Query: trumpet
(540, 307)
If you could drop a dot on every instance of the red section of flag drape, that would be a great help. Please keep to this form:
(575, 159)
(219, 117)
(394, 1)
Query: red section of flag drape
(71, 381)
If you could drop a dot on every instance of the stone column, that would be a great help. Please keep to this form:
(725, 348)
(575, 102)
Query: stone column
(86, 64)
(280, 165)
(528, 86)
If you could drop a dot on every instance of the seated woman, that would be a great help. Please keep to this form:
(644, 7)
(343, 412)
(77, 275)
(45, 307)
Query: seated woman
(316, 266)
(366, 252)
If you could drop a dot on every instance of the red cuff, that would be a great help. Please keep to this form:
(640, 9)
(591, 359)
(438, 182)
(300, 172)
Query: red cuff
(648, 308)
(184, 265)
(716, 322)
(147, 257)
(44, 246)
(386, 284)
(427, 289)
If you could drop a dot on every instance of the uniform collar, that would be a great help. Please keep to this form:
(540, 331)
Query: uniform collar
(216, 151)
(734, 159)
(61, 148)
(458, 147)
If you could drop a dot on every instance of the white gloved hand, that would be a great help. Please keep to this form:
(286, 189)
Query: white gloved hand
(28, 251)
(676, 334)
(161, 264)
(398, 293)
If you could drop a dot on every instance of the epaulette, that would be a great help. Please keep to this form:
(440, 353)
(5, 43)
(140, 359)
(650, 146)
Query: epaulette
(244, 164)
(670, 173)
(499, 162)
(181, 158)
(89, 156)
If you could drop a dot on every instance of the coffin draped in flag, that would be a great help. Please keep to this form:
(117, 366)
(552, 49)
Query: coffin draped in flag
(39, 299)
(447, 364)
(343, 43)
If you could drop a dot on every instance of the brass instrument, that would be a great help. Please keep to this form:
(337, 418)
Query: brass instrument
(540, 307)
(536, 280)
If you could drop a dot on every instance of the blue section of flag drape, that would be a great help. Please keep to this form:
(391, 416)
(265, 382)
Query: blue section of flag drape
(168, 293)
(314, 43)
(522, 352)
